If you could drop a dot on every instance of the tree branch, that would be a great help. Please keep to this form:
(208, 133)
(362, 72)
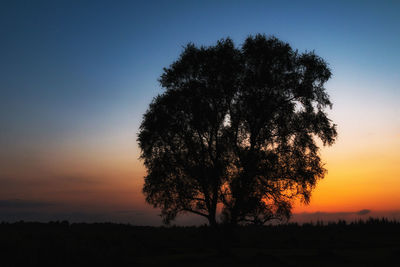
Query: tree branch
(195, 212)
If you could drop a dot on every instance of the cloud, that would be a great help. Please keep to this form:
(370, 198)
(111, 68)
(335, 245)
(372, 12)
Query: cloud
(364, 212)
(23, 204)
(134, 212)
(33, 183)
(76, 179)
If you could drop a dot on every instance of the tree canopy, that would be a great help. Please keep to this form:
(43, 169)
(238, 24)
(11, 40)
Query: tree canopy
(237, 128)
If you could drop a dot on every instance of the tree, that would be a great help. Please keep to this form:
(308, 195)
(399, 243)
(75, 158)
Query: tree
(236, 127)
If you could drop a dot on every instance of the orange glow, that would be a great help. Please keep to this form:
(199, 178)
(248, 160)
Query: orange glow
(104, 175)
(362, 174)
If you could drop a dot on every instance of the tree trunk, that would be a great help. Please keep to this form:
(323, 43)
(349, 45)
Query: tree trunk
(212, 217)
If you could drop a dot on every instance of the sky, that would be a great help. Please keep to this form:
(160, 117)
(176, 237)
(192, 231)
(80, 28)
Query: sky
(76, 78)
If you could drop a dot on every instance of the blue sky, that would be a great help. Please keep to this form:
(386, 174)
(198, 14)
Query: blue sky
(66, 59)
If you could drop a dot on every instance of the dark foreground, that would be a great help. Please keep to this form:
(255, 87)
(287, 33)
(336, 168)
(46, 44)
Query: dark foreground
(372, 243)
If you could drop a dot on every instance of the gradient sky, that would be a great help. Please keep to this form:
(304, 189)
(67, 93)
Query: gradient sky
(77, 76)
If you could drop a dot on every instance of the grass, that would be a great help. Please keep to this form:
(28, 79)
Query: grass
(375, 242)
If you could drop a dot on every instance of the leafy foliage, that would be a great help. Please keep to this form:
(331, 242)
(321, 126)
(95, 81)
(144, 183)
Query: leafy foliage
(236, 127)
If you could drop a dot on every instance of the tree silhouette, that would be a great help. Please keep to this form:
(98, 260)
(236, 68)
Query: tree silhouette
(236, 127)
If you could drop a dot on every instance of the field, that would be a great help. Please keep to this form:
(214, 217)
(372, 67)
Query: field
(375, 242)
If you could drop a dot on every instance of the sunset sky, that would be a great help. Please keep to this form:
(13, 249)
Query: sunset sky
(77, 76)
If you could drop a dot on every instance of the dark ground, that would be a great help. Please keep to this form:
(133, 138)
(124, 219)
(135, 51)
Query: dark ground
(371, 243)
